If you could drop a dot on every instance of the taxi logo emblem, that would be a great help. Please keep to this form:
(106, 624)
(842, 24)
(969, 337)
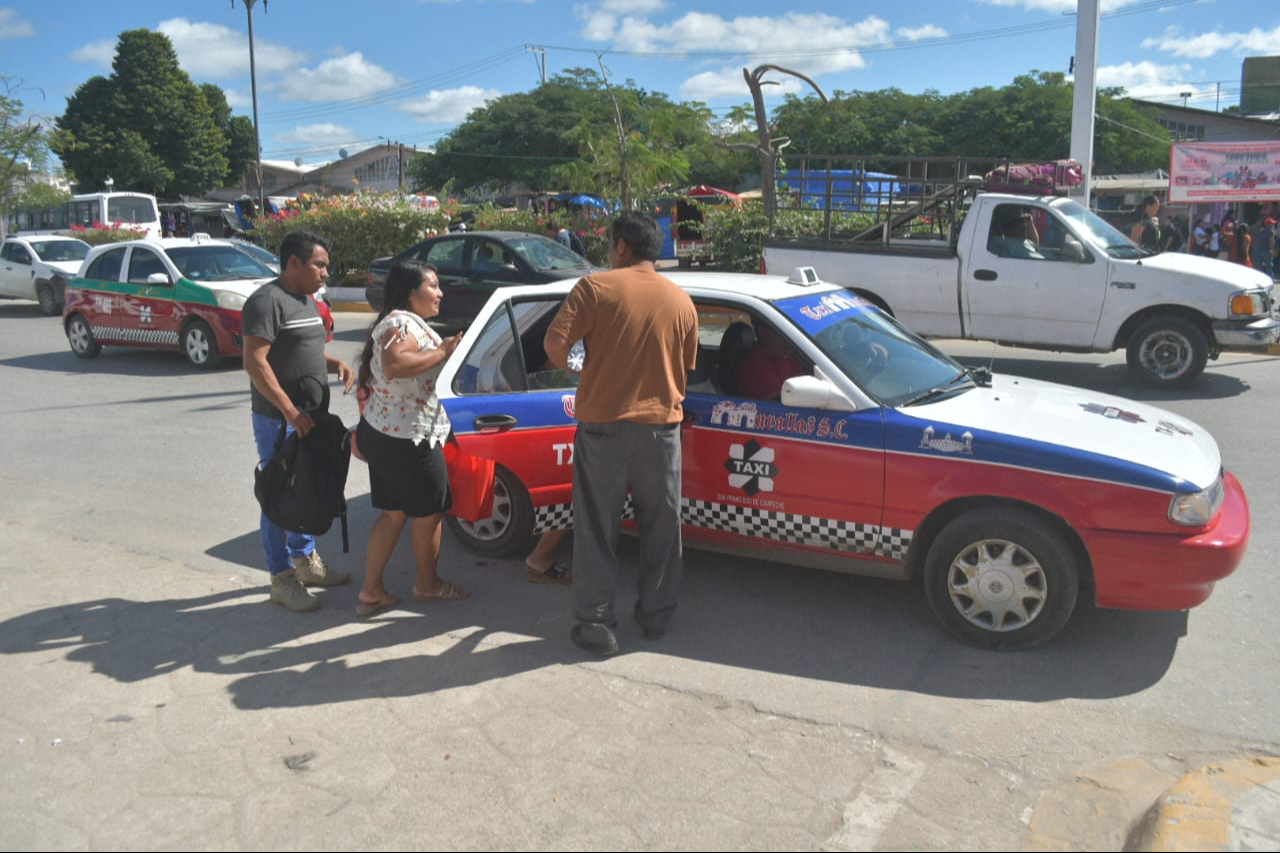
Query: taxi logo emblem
(947, 444)
(751, 467)
(145, 315)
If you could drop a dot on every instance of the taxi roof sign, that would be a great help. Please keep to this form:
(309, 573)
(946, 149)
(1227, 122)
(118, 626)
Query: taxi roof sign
(804, 276)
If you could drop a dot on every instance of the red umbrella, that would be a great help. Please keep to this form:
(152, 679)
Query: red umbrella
(704, 191)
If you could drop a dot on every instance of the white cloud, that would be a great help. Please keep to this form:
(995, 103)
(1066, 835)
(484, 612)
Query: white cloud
(1058, 6)
(1152, 82)
(337, 79)
(13, 25)
(205, 51)
(448, 106)
(812, 43)
(928, 31)
(98, 53)
(238, 98)
(318, 135)
(1205, 45)
(212, 51)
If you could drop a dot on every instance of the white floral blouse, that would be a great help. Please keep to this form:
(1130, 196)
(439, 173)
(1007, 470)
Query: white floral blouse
(408, 407)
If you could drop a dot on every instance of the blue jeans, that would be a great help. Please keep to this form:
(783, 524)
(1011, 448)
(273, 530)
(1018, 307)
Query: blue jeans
(279, 545)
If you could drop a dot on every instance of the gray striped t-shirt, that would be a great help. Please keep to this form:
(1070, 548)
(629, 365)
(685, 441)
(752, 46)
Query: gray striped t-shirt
(293, 325)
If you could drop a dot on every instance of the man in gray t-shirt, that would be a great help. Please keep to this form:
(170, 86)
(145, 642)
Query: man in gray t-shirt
(283, 343)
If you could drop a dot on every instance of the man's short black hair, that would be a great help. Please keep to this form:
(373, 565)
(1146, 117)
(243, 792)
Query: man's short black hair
(301, 244)
(552, 225)
(638, 231)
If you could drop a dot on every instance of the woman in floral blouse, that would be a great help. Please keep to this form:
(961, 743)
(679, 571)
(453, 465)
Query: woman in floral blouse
(402, 428)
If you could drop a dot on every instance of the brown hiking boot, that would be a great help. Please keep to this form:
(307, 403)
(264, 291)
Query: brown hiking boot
(312, 571)
(288, 591)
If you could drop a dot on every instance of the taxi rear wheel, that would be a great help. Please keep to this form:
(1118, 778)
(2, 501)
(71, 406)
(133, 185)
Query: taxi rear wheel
(509, 530)
(81, 338)
(1001, 578)
(200, 346)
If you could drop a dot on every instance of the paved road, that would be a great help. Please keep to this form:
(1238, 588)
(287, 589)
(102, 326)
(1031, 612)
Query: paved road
(154, 699)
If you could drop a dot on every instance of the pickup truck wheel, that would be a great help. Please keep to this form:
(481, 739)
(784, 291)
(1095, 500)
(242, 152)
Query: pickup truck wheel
(1001, 579)
(1168, 351)
(48, 299)
(81, 338)
(200, 346)
(506, 533)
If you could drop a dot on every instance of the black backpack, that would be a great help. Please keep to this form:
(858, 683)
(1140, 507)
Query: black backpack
(302, 486)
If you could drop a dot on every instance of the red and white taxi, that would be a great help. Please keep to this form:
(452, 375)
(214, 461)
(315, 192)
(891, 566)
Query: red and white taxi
(1009, 496)
(174, 293)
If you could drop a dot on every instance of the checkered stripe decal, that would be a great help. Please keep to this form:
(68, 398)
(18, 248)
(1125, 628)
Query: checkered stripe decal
(810, 530)
(831, 533)
(560, 516)
(136, 336)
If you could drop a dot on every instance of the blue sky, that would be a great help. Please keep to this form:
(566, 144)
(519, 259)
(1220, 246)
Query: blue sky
(335, 75)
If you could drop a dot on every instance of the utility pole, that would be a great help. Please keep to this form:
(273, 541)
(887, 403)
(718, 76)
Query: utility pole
(1085, 95)
(253, 85)
(541, 62)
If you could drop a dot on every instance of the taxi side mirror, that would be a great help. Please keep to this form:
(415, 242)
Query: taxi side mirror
(811, 392)
(160, 279)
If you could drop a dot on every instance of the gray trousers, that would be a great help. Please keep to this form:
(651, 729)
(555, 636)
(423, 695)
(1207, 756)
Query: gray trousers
(609, 458)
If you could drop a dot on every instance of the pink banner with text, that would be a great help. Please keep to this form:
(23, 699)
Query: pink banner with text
(1224, 171)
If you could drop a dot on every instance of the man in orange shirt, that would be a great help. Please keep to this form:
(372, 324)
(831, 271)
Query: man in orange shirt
(641, 336)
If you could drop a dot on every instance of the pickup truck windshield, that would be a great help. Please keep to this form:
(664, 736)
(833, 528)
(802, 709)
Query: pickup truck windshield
(1098, 231)
(60, 251)
(879, 354)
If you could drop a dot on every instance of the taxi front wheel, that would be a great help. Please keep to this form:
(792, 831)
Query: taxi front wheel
(200, 346)
(81, 338)
(509, 530)
(1001, 578)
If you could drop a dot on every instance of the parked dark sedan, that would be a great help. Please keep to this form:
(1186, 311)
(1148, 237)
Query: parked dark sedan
(472, 265)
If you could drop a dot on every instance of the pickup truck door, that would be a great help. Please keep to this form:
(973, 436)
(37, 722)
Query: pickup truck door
(1022, 290)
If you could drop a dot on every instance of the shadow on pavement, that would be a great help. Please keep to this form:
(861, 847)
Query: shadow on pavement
(116, 361)
(753, 616)
(1117, 379)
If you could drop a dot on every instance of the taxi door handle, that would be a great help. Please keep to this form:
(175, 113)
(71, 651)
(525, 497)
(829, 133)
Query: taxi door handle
(985, 275)
(489, 424)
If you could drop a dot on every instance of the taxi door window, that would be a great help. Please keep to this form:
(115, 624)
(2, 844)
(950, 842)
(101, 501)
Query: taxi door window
(143, 263)
(494, 365)
(107, 266)
(532, 320)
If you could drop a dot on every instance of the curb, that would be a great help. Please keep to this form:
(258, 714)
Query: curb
(1198, 811)
(1273, 349)
(366, 308)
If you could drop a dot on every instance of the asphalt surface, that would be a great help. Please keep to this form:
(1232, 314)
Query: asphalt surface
(155, 699)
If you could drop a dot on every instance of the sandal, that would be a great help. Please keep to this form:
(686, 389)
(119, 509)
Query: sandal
(448, 591)
(364, 608)
(558, 574)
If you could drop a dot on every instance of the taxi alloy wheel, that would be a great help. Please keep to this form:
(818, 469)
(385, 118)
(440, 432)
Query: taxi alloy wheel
(81, 338)
(200, 346)
(1001, 578)
(508, 532)
(1168, 351)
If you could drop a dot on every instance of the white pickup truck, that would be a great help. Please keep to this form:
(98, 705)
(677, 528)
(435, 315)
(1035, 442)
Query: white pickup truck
(38, 267)
(1045, 272)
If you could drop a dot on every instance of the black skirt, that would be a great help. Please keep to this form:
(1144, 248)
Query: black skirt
(403, 476)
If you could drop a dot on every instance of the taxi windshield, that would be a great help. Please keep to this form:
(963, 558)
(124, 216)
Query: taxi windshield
(878, 353)
(216, 263)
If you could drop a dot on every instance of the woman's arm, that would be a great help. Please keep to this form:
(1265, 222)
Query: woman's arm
(402, 359)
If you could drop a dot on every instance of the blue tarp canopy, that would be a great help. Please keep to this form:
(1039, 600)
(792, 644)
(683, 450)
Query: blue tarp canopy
(850, 189)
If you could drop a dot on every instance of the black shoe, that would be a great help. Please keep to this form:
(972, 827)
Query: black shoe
(595, 638)
(650, 632)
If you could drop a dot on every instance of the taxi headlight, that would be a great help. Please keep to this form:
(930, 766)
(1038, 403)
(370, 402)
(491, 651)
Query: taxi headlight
(1248, 304)
(230, 300)
(1197, 508)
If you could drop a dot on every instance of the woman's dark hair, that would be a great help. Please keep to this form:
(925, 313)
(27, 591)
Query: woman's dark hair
(404, 278)
(639, 232)
(1148, 201)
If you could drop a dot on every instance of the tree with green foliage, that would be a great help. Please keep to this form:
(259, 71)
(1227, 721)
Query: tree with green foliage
(23, 151)
(241, 140)
(147, 125)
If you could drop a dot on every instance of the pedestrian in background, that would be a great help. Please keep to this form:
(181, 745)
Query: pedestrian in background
(1264, 246)
(401, 433)
(1243, 253)
(1146, 231)
(640, 332)
(284, 339)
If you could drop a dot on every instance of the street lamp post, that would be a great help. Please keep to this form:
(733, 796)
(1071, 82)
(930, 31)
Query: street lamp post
(253, 86)
(1184, 96)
